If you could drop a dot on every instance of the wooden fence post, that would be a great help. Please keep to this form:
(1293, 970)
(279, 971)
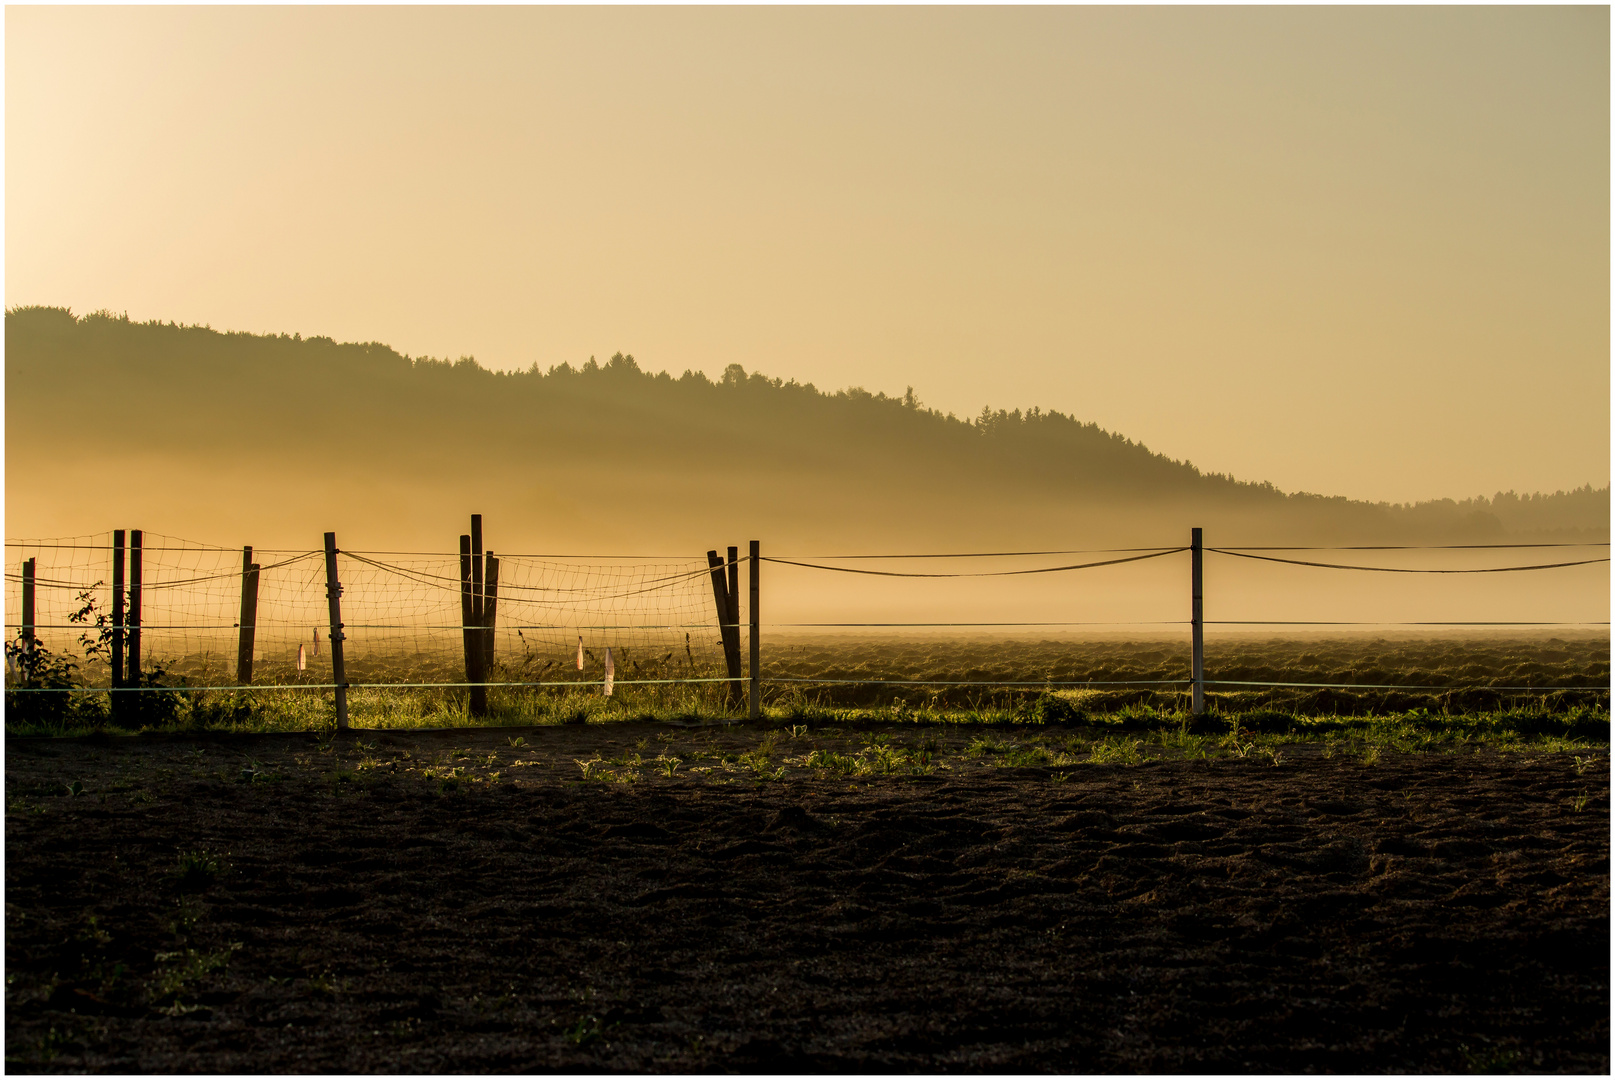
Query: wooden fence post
(734, 595)
(476, 569)
(27, 630)
(117, 616)
(1197, 623)
(333, 593)
(733, 569)
(467, 620)
(755, 709)
(728, 626)
(490, 610)
(474, 644)
(249, 618)
(133, 622)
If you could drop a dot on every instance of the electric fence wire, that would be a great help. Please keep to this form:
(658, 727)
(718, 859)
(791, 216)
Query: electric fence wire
(981, 574)
(1406, 569)
(1067, 683)
(551, 609)
(1173, 682)
(1223, 547)
(1378, 622)
(586, 684)
(1407, 686)
(920, 625)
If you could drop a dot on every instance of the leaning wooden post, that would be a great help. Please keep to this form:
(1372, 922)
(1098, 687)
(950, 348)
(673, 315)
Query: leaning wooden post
(728, 626)
(333, 594)
(117, 614)
(133, 621)
(1197, 624)
(490, 611)
(755, 709)
(27, 632)
(249, 618)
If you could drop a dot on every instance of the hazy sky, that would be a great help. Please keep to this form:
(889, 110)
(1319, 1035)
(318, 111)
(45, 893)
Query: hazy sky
(1360, 251)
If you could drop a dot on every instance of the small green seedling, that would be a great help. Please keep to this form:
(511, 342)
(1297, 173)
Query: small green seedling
(74, 789)
(517, 743)
(585, 1031)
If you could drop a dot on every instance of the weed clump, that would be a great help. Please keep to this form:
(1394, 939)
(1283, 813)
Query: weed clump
(197, 870)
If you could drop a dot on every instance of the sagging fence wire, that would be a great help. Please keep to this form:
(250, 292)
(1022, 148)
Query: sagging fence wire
(594, 606)
(1197, 624)
(1405, 569)
(1225, 548)
(454, 584)
(1154, 554)
(1380, 622)
(1410, 547)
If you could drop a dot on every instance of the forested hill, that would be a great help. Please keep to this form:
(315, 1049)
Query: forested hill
(227, 418)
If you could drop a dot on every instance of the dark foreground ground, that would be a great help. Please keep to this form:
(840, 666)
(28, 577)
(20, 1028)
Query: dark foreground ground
(275, 903)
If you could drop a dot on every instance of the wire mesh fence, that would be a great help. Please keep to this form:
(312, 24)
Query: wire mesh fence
(578, 623)
(401, 614)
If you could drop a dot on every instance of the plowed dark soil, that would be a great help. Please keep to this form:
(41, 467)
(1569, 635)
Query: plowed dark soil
(1443, 913)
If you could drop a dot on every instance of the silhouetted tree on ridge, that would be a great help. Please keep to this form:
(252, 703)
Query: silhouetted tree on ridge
(182, 388)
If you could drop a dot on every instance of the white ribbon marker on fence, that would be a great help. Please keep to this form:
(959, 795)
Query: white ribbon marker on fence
(580, 652)
(302, 660)
(611, 671)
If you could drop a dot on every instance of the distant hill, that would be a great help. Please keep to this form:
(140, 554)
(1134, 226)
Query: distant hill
(187, 428)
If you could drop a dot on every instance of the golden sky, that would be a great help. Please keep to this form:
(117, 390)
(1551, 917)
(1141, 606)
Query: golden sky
(1360, 251)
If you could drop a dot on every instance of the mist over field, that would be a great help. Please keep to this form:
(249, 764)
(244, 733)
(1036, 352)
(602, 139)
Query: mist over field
(233, 438)
(377, 698)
